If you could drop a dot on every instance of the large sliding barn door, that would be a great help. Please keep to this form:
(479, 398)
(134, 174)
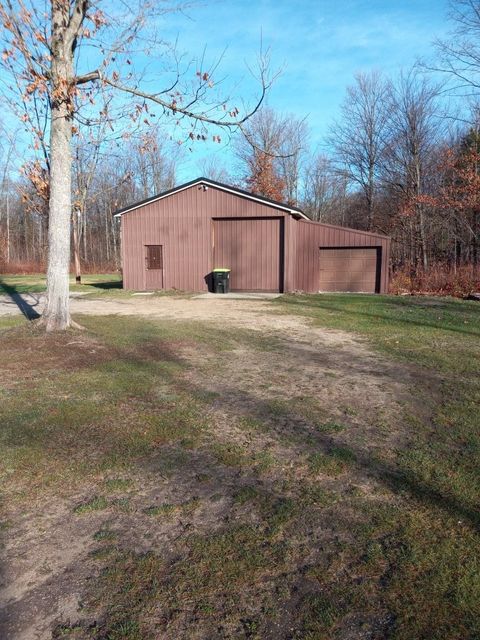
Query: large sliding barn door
(252, 249)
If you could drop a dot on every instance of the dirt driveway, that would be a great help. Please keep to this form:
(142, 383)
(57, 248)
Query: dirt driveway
(204, 308)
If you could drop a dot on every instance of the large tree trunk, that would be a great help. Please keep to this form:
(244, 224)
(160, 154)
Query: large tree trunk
(56, 315)
(57, 312)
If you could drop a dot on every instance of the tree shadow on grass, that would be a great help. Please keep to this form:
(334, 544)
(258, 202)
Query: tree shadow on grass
(26, 308)
(281, 422)
(110, 284)
(225, 479)
(395, 477)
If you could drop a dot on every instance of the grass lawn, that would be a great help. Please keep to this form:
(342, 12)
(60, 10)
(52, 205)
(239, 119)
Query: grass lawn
(37, 282)
(316, 481)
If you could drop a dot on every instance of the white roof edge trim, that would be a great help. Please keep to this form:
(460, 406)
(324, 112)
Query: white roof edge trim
(215, 186)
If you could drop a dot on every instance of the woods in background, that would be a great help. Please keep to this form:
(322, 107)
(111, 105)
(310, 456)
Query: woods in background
(106, 177)
(395, 162)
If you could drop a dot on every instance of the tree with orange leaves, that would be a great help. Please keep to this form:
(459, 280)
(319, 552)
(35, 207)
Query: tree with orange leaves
(263, 179)
(459, 196)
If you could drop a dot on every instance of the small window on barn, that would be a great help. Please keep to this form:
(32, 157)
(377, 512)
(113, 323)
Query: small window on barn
(154, 256)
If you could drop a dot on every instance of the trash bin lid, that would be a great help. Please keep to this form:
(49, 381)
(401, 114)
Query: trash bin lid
(220, 270)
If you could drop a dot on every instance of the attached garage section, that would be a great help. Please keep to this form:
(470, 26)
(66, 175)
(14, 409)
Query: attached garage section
(354, 269)
(252, 248)
(332, 258)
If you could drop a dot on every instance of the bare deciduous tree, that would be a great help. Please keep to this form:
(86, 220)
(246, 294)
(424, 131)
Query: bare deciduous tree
(357, 139)
(44, 55)
(211, 167)
(7, 146)
(324, 191)
(282, 138)
(414, 131)
(459, 55)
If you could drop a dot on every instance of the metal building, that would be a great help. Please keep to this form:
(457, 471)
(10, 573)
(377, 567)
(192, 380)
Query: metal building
(175, 239)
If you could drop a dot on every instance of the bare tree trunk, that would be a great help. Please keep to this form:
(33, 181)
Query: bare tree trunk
(423, 240)
(76, 247)
(84, 236)
(370, 203)
(107, 236)
(8, 228)
(114, 237)
(56, 315)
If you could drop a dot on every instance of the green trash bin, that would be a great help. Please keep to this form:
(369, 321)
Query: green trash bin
(221, 280)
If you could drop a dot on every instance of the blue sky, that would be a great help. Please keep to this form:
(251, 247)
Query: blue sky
(320, 44)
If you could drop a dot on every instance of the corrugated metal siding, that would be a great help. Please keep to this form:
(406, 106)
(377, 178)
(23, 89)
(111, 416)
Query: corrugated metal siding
(182, 224)
(290, 264)
(251, 248)
(311, 236)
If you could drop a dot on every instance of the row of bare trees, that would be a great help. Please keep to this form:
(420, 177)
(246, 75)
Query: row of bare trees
(386, 165)
(396, 161)
(105, 177)
(390, 146)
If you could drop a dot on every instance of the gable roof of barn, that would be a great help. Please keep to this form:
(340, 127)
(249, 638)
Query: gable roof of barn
(217, 185)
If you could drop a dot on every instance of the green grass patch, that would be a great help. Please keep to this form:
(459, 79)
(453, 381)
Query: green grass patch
(125, 590)
(96, 503)
(421, 330)
(252, 425)
(233, 455)
(9, 322)
(314, 494)
(320, 614)
(165, 509)
(37, 283)
(246, 494)
(105, 535)
(333, 463)
(118, 484)
(331, 427)
(225, 562)
(213, 577)
(98, 417)
(5, 525)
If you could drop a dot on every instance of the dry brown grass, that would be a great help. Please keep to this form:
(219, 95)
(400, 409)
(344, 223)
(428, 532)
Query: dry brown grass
(440, 279)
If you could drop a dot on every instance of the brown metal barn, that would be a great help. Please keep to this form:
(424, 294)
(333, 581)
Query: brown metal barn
(175, 240)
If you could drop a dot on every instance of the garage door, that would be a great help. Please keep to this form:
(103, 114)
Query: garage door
(250, 247)
(353, 269)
